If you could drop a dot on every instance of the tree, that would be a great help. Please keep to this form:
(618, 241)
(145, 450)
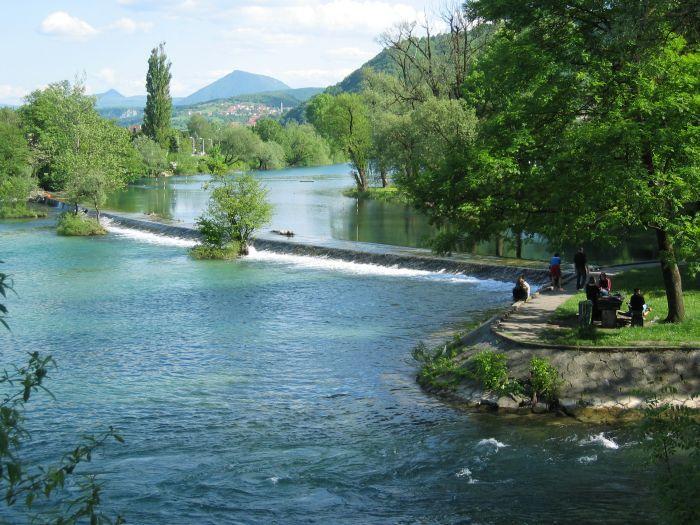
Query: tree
(344, 121)
(269, 130)
(16, 181)
(51, 118)
(201, 127)
(237, 207)
(304, 146)
(270, 156)
(239, 144)
(621, 98)
(154, 158)
(159, 104)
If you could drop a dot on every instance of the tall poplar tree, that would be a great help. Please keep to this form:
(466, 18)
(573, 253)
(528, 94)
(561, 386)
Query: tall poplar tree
(159, 104)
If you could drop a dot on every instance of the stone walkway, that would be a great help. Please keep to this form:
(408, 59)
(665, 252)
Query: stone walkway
(528, 321)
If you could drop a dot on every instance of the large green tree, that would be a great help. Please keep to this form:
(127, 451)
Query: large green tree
(159, 104)
(16, 181)
(345, 121)
(620, 99)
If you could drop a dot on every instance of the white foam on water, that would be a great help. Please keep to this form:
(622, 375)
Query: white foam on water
(356, 268)
(274, 480)
(585, 460)
(144, 236)
(491, 443)
(466, 473)
(308, 261)
(601, 440)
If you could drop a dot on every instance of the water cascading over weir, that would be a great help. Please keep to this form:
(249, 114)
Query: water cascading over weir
(357, 252)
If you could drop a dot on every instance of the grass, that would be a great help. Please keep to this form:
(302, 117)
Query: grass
(209, 252)
(649, 280)
(388, 194)
(80, 225)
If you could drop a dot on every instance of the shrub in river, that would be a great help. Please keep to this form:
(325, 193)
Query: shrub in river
(490, 369)
(209, 251)
(237, 207)
(544, 379)
(72, 224)
(438, 367)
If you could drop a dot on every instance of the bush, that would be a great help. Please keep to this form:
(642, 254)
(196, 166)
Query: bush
(438, 367)
(490, 369)
(237, 207)
(545, 379)
(209, 251)
(73, 225)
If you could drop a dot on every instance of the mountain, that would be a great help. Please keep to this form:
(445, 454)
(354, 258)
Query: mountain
(234, 84)
(114, 99)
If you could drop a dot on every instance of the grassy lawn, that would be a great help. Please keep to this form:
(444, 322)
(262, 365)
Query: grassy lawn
(654, 331)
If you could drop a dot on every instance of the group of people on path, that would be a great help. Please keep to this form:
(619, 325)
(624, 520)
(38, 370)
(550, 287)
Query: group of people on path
(595, 288)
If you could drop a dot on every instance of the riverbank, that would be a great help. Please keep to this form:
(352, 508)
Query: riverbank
(598, 383)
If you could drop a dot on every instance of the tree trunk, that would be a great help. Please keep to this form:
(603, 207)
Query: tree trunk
(362, 180)
(519, 245)
(672, 279)
(385, 182)
(499, 246)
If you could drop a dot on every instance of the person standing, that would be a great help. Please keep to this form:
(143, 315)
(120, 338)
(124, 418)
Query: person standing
(555, 272)
(581, 266)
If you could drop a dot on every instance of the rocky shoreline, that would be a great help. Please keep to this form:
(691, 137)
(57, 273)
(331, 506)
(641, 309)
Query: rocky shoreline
(597, 385)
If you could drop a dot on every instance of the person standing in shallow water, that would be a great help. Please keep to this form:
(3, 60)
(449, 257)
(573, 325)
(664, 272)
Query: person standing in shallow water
(581, 265)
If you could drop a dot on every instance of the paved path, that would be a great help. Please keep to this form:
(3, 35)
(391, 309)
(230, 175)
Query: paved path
(527, 322)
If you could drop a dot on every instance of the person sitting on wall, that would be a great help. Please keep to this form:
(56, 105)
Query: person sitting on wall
(521, 292)
(604, 284)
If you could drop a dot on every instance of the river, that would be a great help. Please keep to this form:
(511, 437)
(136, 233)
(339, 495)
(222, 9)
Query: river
(310, 202)
(280, 389)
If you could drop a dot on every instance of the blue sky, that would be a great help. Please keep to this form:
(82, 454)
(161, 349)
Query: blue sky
(311, 43)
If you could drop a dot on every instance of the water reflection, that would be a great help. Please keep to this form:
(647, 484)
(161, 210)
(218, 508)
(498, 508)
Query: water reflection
(310, 201)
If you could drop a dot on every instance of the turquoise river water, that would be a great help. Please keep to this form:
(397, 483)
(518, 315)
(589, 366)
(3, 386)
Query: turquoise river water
(280, 389)
(310, 202)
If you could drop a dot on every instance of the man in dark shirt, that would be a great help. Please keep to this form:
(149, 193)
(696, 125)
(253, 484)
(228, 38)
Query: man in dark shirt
(637, 304)
(580, 263)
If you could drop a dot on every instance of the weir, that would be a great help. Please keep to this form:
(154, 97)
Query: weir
(358, 252)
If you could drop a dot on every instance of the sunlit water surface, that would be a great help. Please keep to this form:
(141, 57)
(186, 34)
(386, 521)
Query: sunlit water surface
(280, 390)
(310, 202)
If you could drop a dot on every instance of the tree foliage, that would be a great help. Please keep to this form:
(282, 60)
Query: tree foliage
(345, 122)
(159, 104)
(16, 180)
(237, 207)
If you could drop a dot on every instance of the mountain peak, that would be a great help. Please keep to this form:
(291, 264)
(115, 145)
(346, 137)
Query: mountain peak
(236, 83)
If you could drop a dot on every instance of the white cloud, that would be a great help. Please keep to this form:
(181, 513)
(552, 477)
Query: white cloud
(130, 26)
(337, 16)
(255, 38)
(11, 94)
(107, 74)
(63, 25)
